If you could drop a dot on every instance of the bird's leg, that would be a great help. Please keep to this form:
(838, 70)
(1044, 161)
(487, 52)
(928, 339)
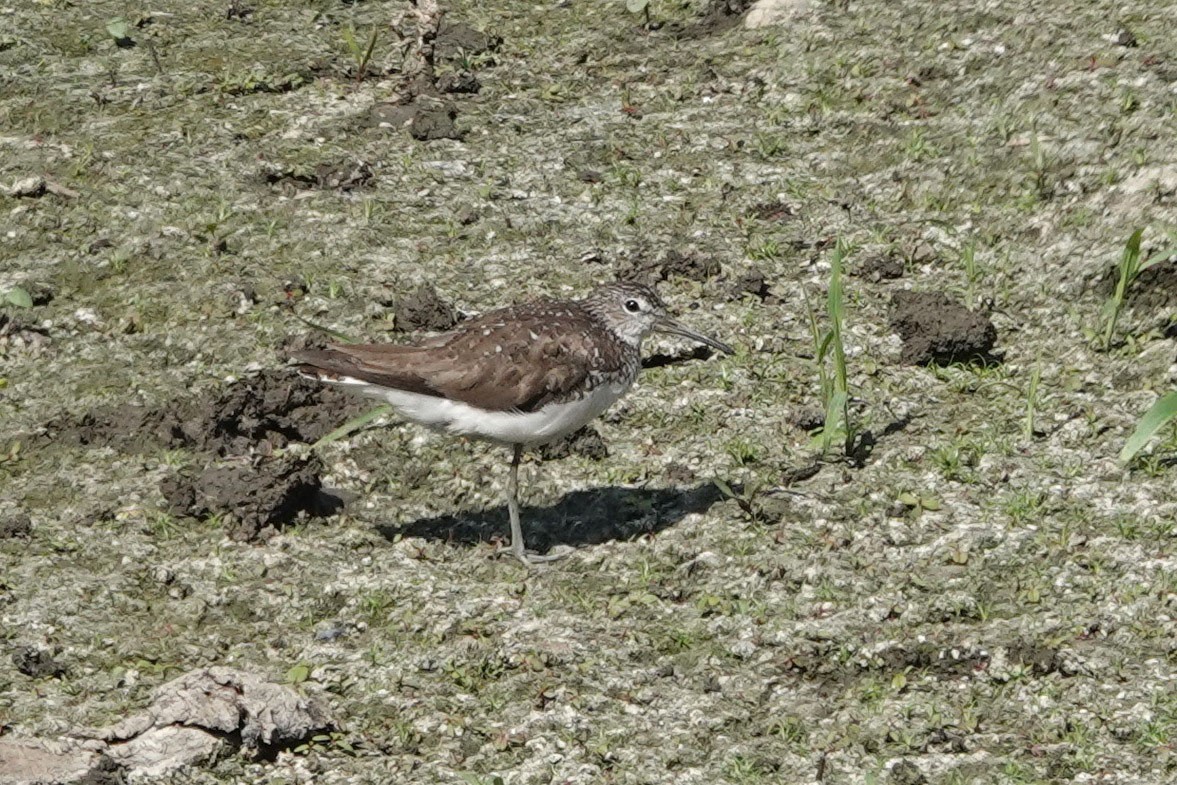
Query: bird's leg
(513, 506)
(518, 549)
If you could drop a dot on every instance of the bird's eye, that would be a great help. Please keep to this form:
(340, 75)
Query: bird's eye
(633, 306)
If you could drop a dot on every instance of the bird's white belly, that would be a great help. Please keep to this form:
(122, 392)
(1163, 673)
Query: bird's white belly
(538, 427)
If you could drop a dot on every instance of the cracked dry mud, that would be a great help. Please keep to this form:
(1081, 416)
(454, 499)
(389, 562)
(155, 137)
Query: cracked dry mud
(986, 596)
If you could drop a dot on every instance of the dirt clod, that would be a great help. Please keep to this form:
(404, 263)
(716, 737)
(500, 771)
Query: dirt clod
(425, 120)
(328, 175)
(423, 309)
(880, 267)
(455, 39)
(303, 342)
(15, 525)
(343, 176)
(436, 122)
(807, 419)
(905, 772)
(254, 414)
(586, 442)
(773, 212)
(721, 15)
(1154, 289)
(276, 407)
(126, 427)
(689, 264)
(464, 82)
(37, 663)
(936, 329)
(258, 497)
(752, 283)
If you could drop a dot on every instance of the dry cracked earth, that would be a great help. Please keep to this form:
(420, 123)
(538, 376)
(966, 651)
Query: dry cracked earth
(968, 587)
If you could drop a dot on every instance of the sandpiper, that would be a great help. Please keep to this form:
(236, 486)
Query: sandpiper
(521, 376)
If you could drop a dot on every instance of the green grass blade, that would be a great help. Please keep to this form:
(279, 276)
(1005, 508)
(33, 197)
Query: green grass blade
(1129, 269)
(349, 40)
(371, 47)
(1032, 401)
(835, 420)
(1157, 258)
(823, 348)
(352, 425)
(724, 488)
(1162, 412)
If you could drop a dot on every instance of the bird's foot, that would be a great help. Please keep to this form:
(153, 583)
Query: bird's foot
(530, 558)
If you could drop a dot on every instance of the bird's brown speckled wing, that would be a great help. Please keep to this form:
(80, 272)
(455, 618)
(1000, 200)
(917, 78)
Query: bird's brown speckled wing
(517, 358)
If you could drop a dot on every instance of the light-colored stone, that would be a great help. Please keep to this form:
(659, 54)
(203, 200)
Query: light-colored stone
(37, 762)
(765, 13)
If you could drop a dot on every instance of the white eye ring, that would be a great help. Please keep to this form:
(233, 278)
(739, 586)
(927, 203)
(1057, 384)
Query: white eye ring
(633, 306)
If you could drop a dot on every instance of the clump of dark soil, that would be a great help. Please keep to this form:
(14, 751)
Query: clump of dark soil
(127, 427)
(1153, 289)
(807, 419)
(303, 342)
(423, 309)
(275, 407)
(256, 498)
(919, 252)
(904, 772)
(328, 175)
(751, 283)
(773, 212)
(425, 120)
(258, 413)
(938, 330)
(879, 267)
(419, 106)
(456, 39)
(673, 264)
(15, 525)
(585, 442)
(250, 417)
(37, 663)
(719, 16)
(463, 82)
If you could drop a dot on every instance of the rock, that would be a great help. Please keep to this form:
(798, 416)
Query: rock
(67, 762)
(765, 13)
(28, 188)
(191, 717)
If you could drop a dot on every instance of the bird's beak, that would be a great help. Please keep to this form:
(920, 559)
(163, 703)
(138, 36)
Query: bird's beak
(672, 326)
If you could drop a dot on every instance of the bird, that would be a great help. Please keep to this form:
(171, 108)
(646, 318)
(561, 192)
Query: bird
(520, 376)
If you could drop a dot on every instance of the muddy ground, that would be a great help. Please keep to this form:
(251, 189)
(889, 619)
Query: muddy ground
(979, 593)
